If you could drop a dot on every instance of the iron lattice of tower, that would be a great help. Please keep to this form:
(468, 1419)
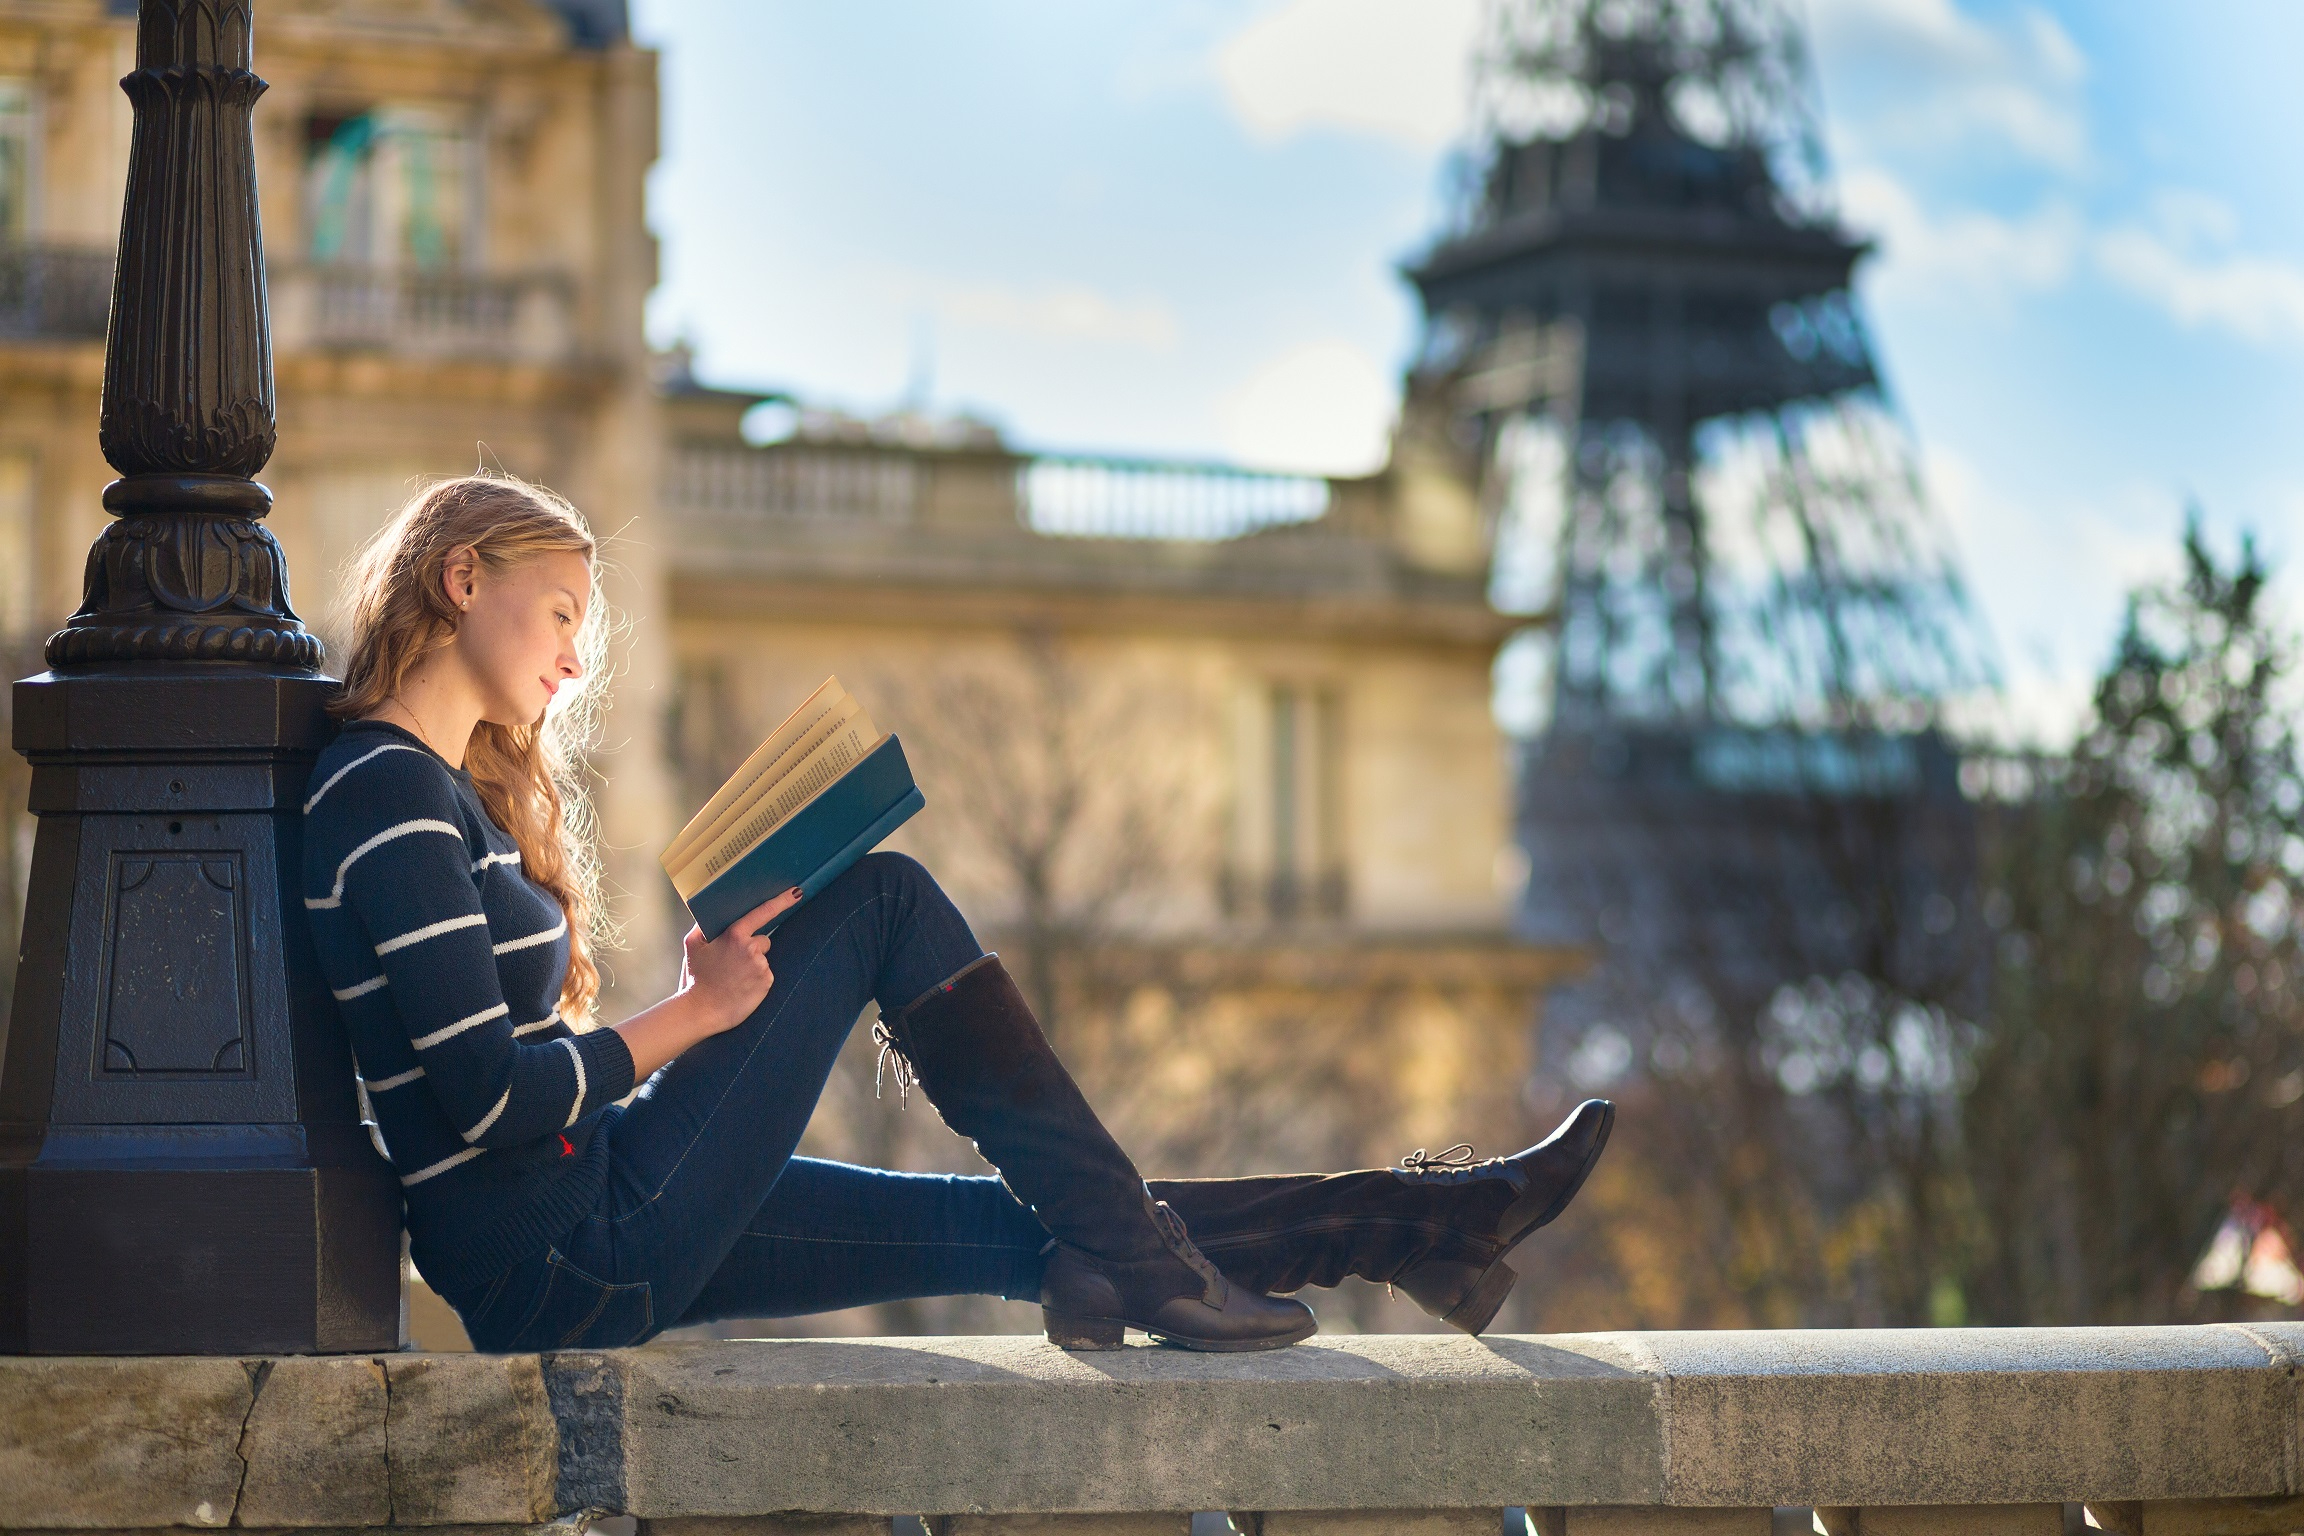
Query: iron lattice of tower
(1641, 329)
(1639, 335)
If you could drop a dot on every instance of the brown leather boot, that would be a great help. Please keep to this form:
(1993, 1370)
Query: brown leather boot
(1436, 1228)
(1117, 1260)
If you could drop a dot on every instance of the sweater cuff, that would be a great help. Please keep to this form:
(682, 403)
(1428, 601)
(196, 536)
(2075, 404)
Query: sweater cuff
(607, 1067)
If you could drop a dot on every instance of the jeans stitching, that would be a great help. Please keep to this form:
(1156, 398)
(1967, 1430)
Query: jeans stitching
(730, 1086)
(607, 1291)
(543, 1293)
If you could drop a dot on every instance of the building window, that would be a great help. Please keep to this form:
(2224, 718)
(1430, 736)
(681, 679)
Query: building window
(15, 161)
(705, 732)
(1288, 833)
(392, 187)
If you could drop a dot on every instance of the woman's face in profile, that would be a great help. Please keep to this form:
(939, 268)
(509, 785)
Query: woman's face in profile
(517, 632)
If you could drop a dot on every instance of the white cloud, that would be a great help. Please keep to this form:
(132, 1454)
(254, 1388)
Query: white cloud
(2182, 260)
(1323, 408)
(1938, 79)
(1965, 251)
(1394, 69)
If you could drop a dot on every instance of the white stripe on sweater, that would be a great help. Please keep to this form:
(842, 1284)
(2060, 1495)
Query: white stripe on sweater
(396, 1080)
(432, 931)
(577, 1057)
(335, 896)
(487, 859)
(489, 1118)
(531, 940)
(442, 1166)
(346, 994)
(469, 1021)
(545, 1022)
(390, 746)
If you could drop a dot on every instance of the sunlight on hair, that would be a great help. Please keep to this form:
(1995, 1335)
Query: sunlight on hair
(531, 778)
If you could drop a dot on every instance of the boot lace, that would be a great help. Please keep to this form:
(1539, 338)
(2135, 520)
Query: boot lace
(1179, 1241)
(1457, 1156)
(894, 1062)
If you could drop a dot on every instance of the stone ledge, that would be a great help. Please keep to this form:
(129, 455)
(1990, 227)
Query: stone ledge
(2128, 1418)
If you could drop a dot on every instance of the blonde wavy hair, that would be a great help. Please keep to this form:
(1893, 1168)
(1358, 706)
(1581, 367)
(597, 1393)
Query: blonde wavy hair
(530, 776)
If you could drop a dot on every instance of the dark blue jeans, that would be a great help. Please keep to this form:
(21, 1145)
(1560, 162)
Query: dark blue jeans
(707, 1213)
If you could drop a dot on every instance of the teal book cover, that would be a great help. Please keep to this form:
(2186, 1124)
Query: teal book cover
(848, 819)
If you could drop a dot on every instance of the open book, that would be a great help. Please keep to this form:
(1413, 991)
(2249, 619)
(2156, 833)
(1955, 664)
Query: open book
(821, 792)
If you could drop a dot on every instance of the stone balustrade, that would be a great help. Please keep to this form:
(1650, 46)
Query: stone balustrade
(525, 318)
(2151, 1431)
(733, 487)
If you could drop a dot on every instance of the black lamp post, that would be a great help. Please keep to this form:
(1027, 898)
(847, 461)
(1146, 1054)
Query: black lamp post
(182, 1168)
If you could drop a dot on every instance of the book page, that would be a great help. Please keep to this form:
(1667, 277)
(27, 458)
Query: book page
(769, 780)
(745, 783)
(839, 752)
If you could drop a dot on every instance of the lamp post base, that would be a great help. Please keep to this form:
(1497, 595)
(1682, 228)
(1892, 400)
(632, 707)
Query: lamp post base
(115, 1240)
(182, 1164)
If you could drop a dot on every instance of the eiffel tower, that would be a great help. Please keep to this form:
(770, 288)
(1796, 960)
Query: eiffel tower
(1640, 336)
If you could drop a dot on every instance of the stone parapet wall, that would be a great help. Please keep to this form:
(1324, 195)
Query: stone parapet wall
(2158, 1431)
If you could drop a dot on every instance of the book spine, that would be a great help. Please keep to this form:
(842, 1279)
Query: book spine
(868, 801)
(865, 841)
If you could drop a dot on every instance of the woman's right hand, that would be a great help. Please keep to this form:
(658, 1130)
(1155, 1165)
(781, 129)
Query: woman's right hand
(729, 975)
(721, 981)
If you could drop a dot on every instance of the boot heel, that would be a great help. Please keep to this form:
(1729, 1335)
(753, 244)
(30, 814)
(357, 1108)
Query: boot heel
(1478, 1310)
(1458, 1294)
(1068, 1331)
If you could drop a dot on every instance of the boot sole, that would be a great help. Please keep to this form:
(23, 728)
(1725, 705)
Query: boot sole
(1478, 1306)
(1071, 1331)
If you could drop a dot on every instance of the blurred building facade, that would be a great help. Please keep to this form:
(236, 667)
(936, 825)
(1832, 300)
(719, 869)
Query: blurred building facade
(1211, 751)
(452, 202)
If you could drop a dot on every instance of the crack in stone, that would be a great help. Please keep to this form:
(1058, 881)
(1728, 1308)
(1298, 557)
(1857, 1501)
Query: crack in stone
(391, 1483)
(259, 1372)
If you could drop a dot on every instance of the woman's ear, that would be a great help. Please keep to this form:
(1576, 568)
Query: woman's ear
(459, 573)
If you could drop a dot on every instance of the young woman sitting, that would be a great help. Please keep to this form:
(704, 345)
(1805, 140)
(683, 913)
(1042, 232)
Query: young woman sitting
(449, 879)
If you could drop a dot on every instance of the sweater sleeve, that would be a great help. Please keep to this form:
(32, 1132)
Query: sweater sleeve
(408, 879)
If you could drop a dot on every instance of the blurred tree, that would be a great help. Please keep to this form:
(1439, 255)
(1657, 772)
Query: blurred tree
(2026, 1096)
(1076, 804)
(2144, 1062)
(1792, 1059)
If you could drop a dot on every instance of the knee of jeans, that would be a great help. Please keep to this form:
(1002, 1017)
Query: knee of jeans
(890, 870)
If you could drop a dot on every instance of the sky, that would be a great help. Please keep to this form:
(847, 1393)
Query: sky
(1174, 226)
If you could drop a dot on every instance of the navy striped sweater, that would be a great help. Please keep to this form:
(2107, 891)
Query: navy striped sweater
(447, 963)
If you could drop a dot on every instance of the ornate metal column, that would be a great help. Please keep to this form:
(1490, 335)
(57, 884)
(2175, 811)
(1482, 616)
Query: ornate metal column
(182, 1168)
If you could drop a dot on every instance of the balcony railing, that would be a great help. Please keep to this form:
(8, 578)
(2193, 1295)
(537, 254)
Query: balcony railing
(2029, 1432)
(1105, 498)
(795, 482)
(527, 318)
(55, 292)
(1070, 496)
(64, 292)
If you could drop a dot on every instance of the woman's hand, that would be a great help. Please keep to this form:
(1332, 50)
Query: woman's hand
(721, 981)
(729, 975)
